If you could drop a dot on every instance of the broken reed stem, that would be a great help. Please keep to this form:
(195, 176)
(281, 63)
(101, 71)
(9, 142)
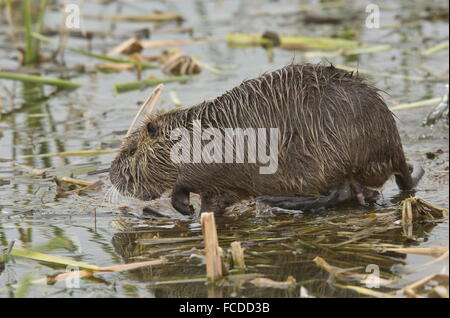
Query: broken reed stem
(93, 55)
(141, 84)
(411, 289)
(237, 254)
(416, 210)
(214, 269)
(151, 101)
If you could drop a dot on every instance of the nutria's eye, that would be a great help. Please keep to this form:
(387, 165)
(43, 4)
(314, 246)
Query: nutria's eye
(152, 130)
(132, 151)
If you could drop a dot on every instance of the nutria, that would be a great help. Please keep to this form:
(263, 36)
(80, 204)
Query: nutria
(337, 142)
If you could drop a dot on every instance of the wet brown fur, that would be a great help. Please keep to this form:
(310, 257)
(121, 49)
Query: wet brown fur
(334, 126)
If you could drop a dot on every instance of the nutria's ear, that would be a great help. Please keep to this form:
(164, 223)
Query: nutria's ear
(152, 130)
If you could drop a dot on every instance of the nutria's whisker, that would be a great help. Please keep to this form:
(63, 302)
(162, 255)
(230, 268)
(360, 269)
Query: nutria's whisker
(106, 196)
(90, 173)
(151, 101)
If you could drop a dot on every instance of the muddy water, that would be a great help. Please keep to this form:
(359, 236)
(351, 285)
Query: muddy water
(277, 244)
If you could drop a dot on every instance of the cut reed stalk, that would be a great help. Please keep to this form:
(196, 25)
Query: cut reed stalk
(214, 266)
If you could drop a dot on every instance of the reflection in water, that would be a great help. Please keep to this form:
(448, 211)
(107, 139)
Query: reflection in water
(276, 247)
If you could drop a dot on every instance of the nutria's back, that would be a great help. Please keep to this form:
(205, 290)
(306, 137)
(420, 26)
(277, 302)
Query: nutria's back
(332, 123)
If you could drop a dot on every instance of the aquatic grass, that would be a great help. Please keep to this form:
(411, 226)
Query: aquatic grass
(175, 99)
(262, 282)
(40, 22)
(366, 291)
(162, 44)
(24, 286)
(72, 153)
(416, 210)
(422, 103)
(436, 48)
(417, 289)
(144, 65)
(319, 43)
(88, 269)
(343, 52)
(99, 270)
(31, 55)
(428, 251)
(50, 258)
(39, 80)
(152, 17)
(291, 42)
(129, 86)
(9, 18)
(381, 74)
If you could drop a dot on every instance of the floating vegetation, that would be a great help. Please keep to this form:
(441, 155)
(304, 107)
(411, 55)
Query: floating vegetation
(72, 153)
(215, 267)
(99, 270)
(289, 42)
(381, 74)
(429, 251)
(422, 103)
(347, 274)
(23, 287)
(87, 269)
(50, 258)
(94, 55)
(180, 64)
(237, 255)
(66, 186)
(31, 170)
(115, 67)
(366, 291)
(170, 43)
(151, 81)
(440, 112)
(152, 17)
(439, 287)
(31, 52)
(39, 80)
(261, 282)
(436, 48)
(130, 46)
(418, 210)
(359, 236)
(344, 52)
(175, 99)
(169, 240)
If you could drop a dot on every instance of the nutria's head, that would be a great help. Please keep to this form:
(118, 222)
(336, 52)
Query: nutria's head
(143, 168)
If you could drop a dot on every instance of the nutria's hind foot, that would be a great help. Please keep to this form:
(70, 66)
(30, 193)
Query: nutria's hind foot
(335, 196)
(216, 202)
(180, 200)
(409, 182)
(417, 172)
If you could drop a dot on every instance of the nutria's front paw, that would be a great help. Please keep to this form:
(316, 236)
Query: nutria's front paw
(182, 205)
(185, 209)
(180, 200)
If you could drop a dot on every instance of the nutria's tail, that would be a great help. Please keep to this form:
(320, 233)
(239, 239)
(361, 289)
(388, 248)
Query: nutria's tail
(409, 175)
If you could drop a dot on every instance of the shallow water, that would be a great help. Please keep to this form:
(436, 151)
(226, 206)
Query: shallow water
(90, 229)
